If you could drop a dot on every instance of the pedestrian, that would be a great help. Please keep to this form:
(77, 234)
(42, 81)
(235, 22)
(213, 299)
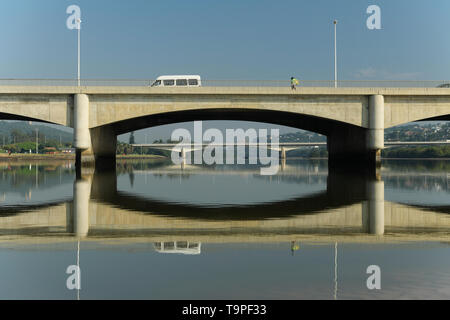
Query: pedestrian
(294, 247)
(294, 83)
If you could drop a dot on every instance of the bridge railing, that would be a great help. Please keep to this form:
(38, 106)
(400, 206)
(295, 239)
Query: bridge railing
(236, 83)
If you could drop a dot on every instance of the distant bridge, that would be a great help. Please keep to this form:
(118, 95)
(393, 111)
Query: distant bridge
(287, 146)
(282, 147)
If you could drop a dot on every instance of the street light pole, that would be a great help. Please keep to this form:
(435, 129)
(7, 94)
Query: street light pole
(79, 30)
(78, 265)
(37, 137)
(335, 55)
(335, 271)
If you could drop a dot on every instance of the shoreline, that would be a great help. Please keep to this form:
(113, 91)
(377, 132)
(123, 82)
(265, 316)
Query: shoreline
(4, 157)
(25, 156)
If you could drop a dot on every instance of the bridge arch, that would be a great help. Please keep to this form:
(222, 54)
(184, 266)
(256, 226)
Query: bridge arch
(108, 109)
(403, 109)
(49, 108)
(10, 116)
(344, 139)
(316, 124)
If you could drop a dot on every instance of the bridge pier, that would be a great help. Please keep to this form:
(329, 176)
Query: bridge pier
(373, 208)
(95, 146)
(183, 156)
(375, 133)
(359, 148)
(78, 212)
(347, 147)
(283, 153)
(360, 187)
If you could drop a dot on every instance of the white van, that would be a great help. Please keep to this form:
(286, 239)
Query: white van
(184, 247)
(178, 81)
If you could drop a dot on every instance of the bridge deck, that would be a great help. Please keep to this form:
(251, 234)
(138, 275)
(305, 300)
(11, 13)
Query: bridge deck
(45, 89)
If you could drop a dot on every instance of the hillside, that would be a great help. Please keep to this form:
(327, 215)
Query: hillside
(22, 131)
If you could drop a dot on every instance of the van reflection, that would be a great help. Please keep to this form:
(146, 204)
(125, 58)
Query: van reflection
(182, 247)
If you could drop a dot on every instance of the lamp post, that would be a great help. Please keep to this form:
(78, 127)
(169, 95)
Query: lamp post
(78, 265)
(37, 139)
(335, 271)
(79, 29)
(335, 55)
(74, 22)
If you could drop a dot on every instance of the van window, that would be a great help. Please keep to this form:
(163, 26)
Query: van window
(169, 245)
(156, 83)
(182, 244)
(181, 82)
(193, 82)
(169, 82)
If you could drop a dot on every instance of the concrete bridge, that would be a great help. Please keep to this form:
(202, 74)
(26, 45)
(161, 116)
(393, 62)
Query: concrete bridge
(353, 119)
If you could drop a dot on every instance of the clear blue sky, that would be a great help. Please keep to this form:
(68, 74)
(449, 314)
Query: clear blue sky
(231, 39)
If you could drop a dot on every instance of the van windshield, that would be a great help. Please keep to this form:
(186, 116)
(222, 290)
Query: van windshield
(156, 83)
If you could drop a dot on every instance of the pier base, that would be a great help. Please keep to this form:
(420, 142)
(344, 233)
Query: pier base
(102, 150)
(356, 148)
(95, 146)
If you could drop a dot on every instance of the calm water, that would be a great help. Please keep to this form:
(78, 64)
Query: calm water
(152, 230)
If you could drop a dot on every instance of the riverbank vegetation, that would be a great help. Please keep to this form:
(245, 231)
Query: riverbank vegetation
(419, 152)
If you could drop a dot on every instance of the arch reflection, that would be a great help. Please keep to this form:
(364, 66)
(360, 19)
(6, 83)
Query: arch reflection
(350, 206)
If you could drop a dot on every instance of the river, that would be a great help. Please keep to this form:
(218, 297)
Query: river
(154, 230)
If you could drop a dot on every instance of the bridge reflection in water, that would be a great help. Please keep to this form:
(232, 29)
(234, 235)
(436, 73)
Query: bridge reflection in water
(344, 208)
(351, 208)
(100, 213)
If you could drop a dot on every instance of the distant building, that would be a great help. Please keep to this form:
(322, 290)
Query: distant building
(50, 150)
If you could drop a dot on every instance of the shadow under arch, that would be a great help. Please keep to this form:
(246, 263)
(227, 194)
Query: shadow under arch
(104, 189)
(339, 193)
(10, 116)
(439, 118)
(346, 143)
(295, 120)
(445, 117)
(13, 210)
